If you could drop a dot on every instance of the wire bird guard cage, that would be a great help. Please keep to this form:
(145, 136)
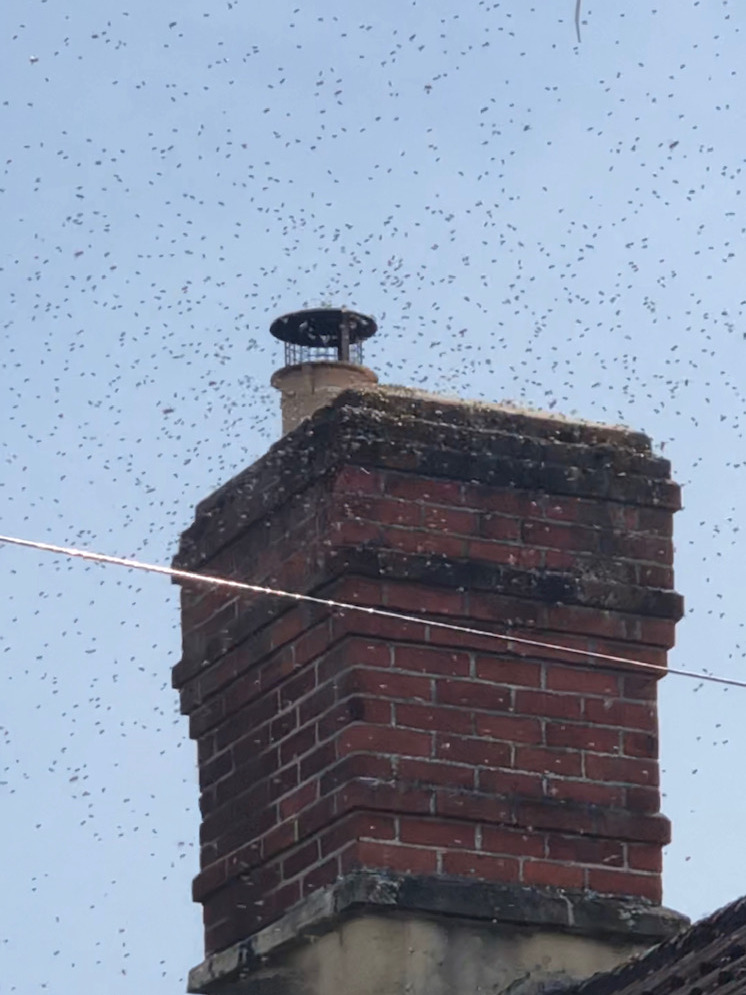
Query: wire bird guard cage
(323, 335)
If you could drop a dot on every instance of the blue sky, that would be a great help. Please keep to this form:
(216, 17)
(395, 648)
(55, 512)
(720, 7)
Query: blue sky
(529, 219)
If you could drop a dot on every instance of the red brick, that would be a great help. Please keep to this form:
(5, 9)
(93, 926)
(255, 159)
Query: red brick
(563, 559)
(512, 728)
(560, 706)
(283, 725)
(654, 548)
(658, 521)
(429, 660)
(220, 674)
(435, 772)
(216, 768)
(244, 858)
(502, 500)
(513, 612)
(560, 536)
(609, 882)
(248, 729)
(616, 712)
(311, 644)
(357, 765)
(658, 631)
(482, 866)
(354, 709)
(507, 782)
(562, 509)
(564, 818)
(379, 627)
(449, 520)
(632, 826)
(501, 528)
(379, 739)
(384, 797)
(384, 510)
(352, 590)
(477, 752)
(285, 896)
(624, 769)
(339, 834)
(297, 687)
(315, 761)
(316, 703)
(590, 621)
(525, 557)
(640, 744)
(278, 839)
(388, 684)
(413, 598)
(583, 681)
(583, 737)
(470, 805)
(586, 850)
(206, 748)
(271, 673)
(209, 880)
(514, 842)
(416, 488)
(434, 832)
(285, 780)
(645, 857)
(316, 816)
(359, 825)
(433, 718)
(297, 745)
(422, 542)
(321, 876)
(659, 577)
(646, 800)
(473, 694)
(542, 872)
(358, 480)
(205, 604)
(305, 795)
(300, 859)
(640, 687)
(206, 717)
(578, 651)
(389, 856)
(566, 762)
(352, 653)
(355, 532)
(508, 671)
(287, 627)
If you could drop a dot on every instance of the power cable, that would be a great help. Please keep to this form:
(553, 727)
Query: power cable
(238, 585)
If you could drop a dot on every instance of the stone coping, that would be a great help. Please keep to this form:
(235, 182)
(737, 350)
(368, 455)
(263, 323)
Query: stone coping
(379, 892)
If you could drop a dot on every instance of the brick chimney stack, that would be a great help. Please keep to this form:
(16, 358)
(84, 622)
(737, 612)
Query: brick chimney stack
(393, 807)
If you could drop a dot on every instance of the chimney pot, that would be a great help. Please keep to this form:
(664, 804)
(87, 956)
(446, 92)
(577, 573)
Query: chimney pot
(323, 357)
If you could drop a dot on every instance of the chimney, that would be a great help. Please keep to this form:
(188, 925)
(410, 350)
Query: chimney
(323, 357)
(392, 806)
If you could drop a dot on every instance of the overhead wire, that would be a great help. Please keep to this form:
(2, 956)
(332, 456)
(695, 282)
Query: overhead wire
(239, 585)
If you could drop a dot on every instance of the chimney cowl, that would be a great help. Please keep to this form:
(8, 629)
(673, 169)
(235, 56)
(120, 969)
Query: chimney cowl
(323, 335)
(323, 357)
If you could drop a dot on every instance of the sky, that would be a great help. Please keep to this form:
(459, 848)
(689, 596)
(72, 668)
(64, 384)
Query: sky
(529, 218)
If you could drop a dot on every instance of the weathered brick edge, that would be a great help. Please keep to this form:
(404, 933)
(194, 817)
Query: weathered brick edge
(398, 430)
(376, 892)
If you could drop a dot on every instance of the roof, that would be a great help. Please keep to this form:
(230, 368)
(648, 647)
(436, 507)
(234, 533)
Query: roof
(709, 958)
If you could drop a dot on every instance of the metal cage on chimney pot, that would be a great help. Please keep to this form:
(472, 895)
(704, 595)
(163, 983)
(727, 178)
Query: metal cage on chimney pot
(323, 335)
